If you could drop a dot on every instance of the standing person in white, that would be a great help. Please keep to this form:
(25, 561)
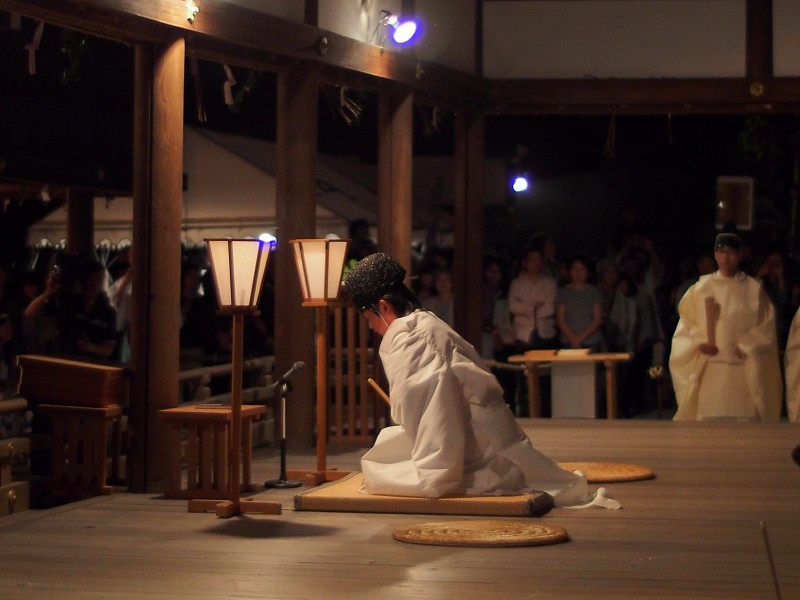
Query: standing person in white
(724, 360)
(455, 434)
(792, 363)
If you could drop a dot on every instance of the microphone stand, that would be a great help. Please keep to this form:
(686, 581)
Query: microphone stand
(282, 481)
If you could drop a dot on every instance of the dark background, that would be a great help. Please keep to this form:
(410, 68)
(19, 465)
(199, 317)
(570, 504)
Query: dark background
(71, 122)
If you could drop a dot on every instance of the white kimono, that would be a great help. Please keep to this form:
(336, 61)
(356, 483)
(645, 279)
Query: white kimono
(792, 363)
(727, 385)
(455, 433)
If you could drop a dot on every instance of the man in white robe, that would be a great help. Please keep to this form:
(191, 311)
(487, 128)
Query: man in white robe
(792, 369)
(455, 434)
(730, 367)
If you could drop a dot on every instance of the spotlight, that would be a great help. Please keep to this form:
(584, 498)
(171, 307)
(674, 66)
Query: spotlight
(404, 29)
(519, 183)
(191, 11)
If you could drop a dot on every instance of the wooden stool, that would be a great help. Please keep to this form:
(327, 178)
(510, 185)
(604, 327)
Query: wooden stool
(80, 444)
(207, 461)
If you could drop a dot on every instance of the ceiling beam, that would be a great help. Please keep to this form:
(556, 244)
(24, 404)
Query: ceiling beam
(642, 96)
(235, 35)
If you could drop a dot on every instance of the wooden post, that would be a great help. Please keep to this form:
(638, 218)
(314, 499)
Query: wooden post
(759, 40)
(155, 310)
(469, 225)
(80, 222)
(395, 146)
(295, 215)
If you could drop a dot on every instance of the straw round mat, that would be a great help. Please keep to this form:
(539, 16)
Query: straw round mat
(482, 533)
(607, 472)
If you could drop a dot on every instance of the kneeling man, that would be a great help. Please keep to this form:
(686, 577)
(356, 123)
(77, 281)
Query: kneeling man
(455, 434)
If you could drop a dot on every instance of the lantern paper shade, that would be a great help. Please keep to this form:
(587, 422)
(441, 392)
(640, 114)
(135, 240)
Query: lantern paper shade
(238, 266)
(320, 264)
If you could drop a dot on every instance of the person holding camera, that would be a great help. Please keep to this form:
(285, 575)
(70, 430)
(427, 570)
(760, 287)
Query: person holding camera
(85, 318)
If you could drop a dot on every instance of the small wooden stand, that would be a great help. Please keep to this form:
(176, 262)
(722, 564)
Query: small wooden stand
(230, 448)
(208, 430)
(80, 443)
(532, 360)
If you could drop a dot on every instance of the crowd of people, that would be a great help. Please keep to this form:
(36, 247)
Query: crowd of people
(535, 298)
(79, 306)
(624, 301)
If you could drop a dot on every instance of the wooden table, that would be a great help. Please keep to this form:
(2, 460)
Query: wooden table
(532, 360)
(207, 449)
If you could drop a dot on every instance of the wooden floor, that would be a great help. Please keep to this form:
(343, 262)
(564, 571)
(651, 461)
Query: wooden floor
(693, 532)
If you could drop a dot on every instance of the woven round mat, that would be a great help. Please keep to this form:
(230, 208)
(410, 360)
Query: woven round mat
(607, 472)
(482, 533)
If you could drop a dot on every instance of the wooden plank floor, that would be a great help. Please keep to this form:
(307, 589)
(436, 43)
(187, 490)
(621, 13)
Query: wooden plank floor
(693, 532)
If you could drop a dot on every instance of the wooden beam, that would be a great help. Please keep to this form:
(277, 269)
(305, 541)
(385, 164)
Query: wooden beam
(618, 96)
(235, 35)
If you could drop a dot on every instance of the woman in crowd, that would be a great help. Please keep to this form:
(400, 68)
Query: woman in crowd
(579, 308)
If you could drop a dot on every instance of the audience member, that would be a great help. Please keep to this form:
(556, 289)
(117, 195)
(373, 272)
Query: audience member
(791, 360)
(119, 293)
(85, 318)
(39, 331)
(724, 359)
(7, 354)
(579, 308)
(498, 341)
(780, 287)
(531, 301)
(441, 303)
(361, 244)
(552, 267)
(616, 312)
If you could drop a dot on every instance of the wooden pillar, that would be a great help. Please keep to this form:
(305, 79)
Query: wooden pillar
(295, 215)
(759, 40)
(470, 132)
(155, 310)
(395, 154)
(80, 222)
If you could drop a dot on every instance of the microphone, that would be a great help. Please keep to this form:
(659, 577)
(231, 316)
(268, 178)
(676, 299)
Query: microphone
(296, 368)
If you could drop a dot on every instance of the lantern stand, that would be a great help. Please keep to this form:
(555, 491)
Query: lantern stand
(320, 265)
(238, 266)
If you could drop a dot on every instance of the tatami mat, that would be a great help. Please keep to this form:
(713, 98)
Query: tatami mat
(345, 495)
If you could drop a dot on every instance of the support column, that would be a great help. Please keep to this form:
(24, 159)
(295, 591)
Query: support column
(395, 157)
(470, 133)
(759, 40)
(295, 214)
(156, 252)
(80, 222)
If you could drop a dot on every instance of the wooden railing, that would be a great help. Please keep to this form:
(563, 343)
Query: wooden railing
(196, 383)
